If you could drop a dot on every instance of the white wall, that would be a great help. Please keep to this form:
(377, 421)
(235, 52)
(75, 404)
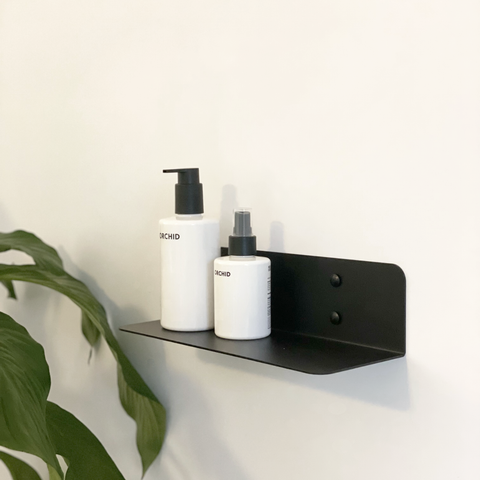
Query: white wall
(351, 128)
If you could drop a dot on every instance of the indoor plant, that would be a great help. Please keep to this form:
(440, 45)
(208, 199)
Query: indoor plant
(28, 422)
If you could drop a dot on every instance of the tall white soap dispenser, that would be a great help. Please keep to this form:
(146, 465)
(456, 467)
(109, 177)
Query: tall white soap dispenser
(242, 286)
(189, 243)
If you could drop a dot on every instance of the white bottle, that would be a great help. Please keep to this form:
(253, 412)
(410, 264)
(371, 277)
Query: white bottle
(242, 286)
(189, 243)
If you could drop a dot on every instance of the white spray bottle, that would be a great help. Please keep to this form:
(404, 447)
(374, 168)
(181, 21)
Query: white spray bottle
(242, 286)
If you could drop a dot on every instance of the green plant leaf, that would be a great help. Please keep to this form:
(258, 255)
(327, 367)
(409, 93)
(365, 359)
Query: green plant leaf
(89, 330)
(25, 383)
(86, 457)
(10, 288)
(52, 473)
(136, 397)
(150, 420)
(18, 468)
(43, 255)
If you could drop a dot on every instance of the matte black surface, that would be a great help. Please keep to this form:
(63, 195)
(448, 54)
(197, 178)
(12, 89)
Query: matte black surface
(370, 302)
(370, 299)
(287, 350)
(242, 246)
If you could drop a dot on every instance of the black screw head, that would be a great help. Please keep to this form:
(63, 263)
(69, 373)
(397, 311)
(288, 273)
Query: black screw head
(335, 318)
(335, 280)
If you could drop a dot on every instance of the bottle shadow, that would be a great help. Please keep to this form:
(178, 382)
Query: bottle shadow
(228, 204)
(193, 419)
(277, 237)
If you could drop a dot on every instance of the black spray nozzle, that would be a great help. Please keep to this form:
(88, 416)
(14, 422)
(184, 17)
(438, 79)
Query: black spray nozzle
(242, 226)
(242, 242)
(188, 191)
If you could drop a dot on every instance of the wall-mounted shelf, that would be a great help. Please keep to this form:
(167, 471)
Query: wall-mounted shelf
(328, 315)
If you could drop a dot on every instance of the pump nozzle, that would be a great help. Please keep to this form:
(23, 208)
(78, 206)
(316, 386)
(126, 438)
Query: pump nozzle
(188, 191)
(242, 242)
(186, 176)
(242, 226)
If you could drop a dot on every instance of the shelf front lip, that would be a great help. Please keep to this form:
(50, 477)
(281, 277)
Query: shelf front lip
(306, 354)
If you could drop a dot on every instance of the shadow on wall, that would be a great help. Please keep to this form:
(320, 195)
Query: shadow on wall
(6, 222)
(277, 237)
(229, 203)
(384, 384)
(192, 417)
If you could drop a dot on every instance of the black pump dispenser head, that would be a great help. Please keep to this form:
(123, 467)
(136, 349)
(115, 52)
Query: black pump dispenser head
(242, 243)
(188, 191)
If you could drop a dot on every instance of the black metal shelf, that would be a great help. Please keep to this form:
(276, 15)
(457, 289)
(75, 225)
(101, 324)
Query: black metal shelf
(328, 315)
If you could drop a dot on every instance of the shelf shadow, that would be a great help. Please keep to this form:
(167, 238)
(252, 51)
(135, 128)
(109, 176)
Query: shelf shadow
(384, 384)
